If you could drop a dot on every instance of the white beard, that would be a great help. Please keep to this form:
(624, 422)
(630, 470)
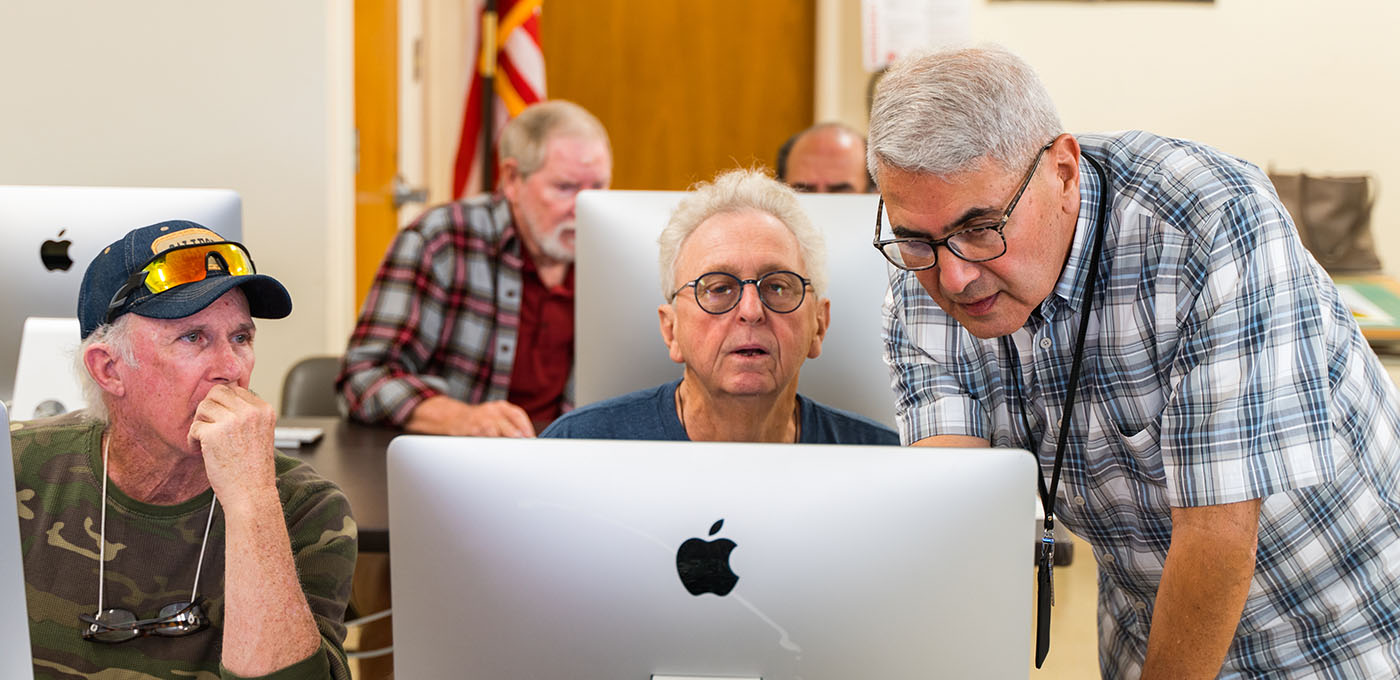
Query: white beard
(553, 246)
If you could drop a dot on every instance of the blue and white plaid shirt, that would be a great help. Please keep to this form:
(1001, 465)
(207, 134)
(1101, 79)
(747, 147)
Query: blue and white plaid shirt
(1220, 366)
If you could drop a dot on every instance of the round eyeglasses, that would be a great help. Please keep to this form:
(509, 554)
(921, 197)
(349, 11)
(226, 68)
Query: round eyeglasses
(718, 292)
(979, 239)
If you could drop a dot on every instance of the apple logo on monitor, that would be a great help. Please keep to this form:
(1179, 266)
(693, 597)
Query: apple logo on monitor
(55, 253)
(704, 565)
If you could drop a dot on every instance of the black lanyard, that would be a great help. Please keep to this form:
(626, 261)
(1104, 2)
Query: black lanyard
(1046, 559)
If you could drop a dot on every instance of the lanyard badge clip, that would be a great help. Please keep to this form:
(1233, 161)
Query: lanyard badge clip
(1045, 595)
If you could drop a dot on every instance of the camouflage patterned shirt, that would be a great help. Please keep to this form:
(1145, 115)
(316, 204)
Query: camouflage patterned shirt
(151, 555)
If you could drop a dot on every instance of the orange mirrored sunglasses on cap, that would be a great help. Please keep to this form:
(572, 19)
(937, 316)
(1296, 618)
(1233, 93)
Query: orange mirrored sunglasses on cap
(182, 265)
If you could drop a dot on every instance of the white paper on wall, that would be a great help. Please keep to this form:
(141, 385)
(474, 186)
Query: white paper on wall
(894, 28)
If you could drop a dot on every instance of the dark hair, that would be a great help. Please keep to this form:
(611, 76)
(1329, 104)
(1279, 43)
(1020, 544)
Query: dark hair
(784, 151)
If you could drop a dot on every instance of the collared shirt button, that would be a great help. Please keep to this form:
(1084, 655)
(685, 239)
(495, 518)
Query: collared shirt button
(1140, 605)
(1108, 558)
(1079, 500)
(1045, 343)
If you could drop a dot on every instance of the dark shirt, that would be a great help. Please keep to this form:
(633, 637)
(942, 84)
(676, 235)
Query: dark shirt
(650, 414)
(544, 346)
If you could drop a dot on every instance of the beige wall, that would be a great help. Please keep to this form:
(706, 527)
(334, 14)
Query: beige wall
(1292, 84)
(449, 45)
(252, 95)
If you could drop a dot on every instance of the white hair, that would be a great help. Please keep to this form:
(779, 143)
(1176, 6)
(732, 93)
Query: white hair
(942, 113)
(739, 191)
(117, 336)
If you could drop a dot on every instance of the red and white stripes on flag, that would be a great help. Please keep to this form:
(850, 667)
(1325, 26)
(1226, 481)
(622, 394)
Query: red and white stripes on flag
(511, 60)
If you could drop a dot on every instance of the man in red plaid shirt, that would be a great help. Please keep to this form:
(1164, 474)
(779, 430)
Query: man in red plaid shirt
(469, 327)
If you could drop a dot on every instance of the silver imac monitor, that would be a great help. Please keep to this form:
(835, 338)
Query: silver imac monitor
(559, 558)
(51, 233)
(617, 344)
(15, 654)
(45, 380)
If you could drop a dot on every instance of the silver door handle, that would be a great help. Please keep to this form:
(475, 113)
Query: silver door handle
(403, 193)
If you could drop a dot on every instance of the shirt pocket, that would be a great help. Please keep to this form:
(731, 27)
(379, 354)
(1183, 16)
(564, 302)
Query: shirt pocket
(1135, 449)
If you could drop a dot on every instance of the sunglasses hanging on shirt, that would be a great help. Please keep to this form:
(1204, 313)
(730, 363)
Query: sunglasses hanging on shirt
(177, 619)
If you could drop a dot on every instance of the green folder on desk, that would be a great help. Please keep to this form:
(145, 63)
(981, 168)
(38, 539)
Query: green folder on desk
(1375, 304)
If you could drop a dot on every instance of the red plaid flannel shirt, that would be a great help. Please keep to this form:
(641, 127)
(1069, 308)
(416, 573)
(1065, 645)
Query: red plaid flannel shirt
(442, 316)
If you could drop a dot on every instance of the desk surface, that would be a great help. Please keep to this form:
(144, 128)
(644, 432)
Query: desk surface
(352, 455)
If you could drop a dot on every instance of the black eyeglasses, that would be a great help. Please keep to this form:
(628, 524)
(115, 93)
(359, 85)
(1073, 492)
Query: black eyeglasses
(119, 625)
(718, 292)
(977, 240)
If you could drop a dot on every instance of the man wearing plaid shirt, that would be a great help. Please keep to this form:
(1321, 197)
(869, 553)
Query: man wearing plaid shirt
(468, 328)
(1233, 451)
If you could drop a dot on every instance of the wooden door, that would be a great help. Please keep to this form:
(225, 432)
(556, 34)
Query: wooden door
(377, 127)
(685, 88)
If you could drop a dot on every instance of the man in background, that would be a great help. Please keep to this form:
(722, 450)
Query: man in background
(827, 158)
(469, 326)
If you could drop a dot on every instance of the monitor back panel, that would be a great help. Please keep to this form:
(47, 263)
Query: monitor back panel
(15, 654)
(51, 233)
(617, 342)
(559, 558)
(45, 380)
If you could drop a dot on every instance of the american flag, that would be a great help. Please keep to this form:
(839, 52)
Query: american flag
(510, 61)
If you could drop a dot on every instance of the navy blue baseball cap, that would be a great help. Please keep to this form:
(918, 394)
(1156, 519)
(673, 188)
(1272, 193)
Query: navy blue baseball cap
(113, 270)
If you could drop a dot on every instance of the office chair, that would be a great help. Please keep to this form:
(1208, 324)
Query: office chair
(309, 388)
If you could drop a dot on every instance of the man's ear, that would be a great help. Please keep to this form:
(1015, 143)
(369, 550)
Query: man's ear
(666, 315)
(1064, 155)
(823, 322)
(101, 363)
(510, 178)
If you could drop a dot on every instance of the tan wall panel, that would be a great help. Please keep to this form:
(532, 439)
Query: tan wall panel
(685, 88)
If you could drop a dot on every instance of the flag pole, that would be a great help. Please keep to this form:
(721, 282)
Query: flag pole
(488, 95)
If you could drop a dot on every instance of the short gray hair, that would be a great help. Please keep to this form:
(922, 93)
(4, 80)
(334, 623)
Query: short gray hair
(739, 191)
(524, 138)
(116, 335)
(941, 113)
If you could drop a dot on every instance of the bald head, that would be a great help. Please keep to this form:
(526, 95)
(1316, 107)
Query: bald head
(826, 158)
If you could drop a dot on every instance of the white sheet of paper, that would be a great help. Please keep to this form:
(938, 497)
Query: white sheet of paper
(895, 28)
(293, 437)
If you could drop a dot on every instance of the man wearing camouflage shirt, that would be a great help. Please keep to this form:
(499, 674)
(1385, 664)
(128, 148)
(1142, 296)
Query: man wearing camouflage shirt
(163, 535)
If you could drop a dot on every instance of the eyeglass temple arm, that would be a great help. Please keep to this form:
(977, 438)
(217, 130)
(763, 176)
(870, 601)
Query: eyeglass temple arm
(879, 210)
(135, 281)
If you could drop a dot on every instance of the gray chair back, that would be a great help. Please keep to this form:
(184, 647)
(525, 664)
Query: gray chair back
(309, 389)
